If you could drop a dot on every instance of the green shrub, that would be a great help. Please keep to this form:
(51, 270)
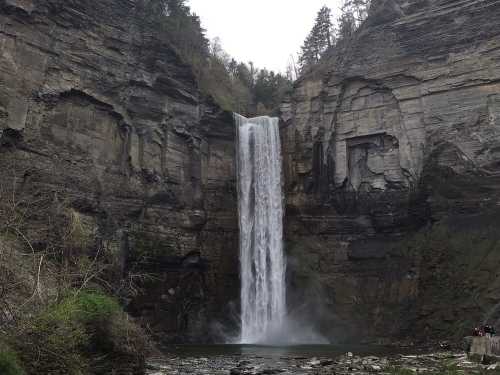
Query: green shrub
(9, 363)
(84, 307)
(84, 333)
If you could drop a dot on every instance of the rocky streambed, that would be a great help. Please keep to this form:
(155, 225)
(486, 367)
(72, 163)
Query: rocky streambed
(446, 363)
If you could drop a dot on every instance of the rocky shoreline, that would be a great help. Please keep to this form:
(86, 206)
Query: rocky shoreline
(432, 363)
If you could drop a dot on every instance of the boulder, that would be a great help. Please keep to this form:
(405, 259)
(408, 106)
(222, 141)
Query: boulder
(485, 349)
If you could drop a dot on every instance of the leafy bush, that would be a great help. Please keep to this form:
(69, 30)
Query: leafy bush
(84, 307)
(85, 333)
(9, 363)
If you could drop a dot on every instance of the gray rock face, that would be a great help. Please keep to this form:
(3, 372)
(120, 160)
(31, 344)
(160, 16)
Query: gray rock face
(372, 145)
(484, 349)
(97, 112)
(100, 118)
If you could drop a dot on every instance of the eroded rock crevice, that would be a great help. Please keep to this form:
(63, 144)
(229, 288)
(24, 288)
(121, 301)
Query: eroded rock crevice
(391, 161)
(393, 146)
(108, 121)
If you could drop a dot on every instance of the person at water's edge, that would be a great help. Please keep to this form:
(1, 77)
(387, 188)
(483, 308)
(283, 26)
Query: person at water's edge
(487, 331)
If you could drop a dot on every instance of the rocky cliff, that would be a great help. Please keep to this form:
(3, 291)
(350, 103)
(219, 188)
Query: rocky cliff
(392, 164)
(100, 118)
(391, 160)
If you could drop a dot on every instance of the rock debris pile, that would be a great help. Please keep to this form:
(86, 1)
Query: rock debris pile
(349, 364)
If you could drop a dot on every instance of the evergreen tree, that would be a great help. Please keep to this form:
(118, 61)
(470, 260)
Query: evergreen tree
(182, 28)
(356, 9)
(354, 12)
(324, 29)
(245, 75)
(319, 40)
(269, 90)
(347, 25)
(235, 86)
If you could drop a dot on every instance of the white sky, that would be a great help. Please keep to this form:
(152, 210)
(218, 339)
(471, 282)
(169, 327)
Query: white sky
(266, 32)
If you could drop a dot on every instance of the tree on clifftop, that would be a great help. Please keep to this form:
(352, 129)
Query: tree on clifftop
(325, 38)
(183, 29)
(235, 86)
(319, 40)
(357, 8)
(354, 12)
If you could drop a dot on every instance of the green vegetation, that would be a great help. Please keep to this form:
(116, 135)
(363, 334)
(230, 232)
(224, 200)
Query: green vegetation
(84, 330)
(235, 86)
(83, 307)
(242, 87)
(57, 313)
(320, 39)
(325, 39)
(9, 362)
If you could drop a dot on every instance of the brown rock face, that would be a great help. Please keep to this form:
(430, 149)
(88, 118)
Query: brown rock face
(100, 118)
(97, 113)
(403, 131)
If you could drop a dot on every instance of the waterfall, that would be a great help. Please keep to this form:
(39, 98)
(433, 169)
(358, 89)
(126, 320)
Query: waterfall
(262, 261)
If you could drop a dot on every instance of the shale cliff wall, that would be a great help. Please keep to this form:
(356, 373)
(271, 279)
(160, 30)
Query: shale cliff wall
(391, 160)
(391, 157)
(99, 115)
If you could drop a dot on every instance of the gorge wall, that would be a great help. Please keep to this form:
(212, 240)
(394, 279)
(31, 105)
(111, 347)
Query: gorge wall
(101, 120)
(392, 163)
(391, 160)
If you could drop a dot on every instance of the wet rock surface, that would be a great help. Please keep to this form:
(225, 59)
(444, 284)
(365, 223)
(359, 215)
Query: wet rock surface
(98, 112)
(99, 115)
(396, 135)
(349, 363)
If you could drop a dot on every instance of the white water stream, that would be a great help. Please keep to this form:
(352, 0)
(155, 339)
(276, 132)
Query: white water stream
(262, 261)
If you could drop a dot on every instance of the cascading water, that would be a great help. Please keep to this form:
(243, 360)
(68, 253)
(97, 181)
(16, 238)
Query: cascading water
(263, 294)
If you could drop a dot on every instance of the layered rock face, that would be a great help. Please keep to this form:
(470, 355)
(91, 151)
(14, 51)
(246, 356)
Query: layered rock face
(100, 116)
(402, 131)
(102, 122)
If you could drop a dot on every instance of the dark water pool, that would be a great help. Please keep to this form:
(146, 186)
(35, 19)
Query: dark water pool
(264, 351)
(290, 360)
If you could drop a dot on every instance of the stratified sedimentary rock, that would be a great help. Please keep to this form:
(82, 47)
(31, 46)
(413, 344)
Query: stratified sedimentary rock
(102, 121)
(400, 131)
(99, 115)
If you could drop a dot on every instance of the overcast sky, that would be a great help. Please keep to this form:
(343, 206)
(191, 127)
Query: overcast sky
(266, 32)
